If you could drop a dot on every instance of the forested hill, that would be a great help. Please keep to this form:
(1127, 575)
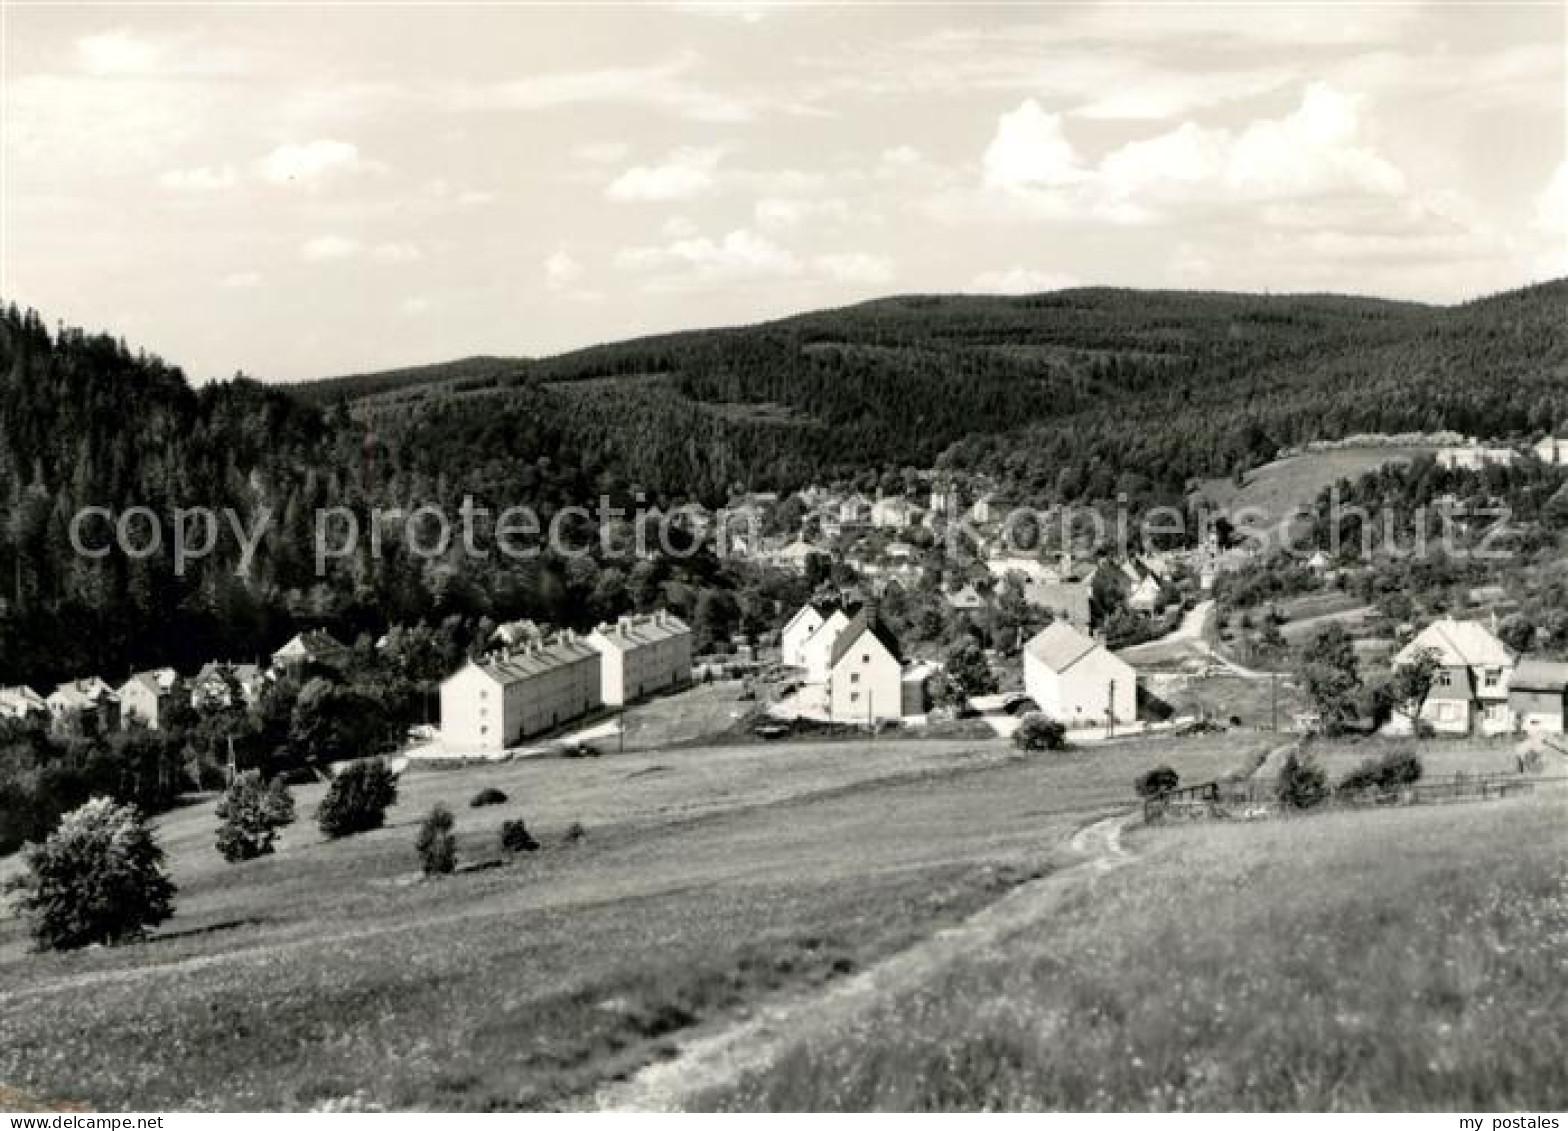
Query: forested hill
(1069, 395)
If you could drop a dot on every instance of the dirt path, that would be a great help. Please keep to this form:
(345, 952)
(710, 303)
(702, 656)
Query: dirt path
(719, 1058)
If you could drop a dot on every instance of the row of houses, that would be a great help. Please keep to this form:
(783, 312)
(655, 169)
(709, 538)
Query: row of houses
(547, 680)
(90, 705)
(865, 678)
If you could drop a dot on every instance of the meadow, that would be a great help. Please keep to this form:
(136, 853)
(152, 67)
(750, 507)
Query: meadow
(709, 879)
(1404, 960)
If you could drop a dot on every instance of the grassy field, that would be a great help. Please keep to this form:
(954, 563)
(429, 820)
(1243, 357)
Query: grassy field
(1278, 488)
(1403, 960)
(709, 879)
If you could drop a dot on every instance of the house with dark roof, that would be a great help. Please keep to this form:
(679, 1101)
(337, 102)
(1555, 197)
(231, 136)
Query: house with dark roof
(865, 672)
(1076, 680)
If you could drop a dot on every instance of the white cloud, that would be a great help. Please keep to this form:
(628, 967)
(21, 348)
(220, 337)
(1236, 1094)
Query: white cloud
(474, 198)
(241, 280)
(323, 248)
(1019, 280)
(414, 306)
(679, 228)
(313, 161)
(1312, 150)
(683, 174)
(737, 256)
(200, 179)
(1029, 150)
(1316, 150)
(856, 267)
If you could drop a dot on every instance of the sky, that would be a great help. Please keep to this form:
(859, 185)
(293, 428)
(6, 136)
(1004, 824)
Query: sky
(296, 191)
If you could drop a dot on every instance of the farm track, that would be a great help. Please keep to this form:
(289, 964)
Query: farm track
(720, 1058)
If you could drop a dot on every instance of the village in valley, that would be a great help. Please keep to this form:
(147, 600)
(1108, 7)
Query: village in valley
(901, 631)
(783, 557)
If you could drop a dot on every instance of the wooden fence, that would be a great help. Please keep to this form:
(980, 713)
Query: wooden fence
(1253, 797)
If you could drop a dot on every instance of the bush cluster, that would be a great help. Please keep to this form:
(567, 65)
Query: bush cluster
(358, 798)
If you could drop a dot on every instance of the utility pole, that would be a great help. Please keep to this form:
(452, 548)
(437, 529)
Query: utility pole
(1110, 713)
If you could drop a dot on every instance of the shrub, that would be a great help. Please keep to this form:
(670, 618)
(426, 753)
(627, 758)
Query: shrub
(436, 845)
(1040, 732)
(515, 837)
(1532, 761)
(1161, 779)
(1394, 769)
(358, 798)
(252, 811)
(575, 832)
(489, 795)
(1302, 783)
(98, 878)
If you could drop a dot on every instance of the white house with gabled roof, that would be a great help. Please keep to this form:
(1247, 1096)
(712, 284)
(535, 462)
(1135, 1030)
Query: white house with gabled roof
(792, 641)
(1076, 680)
(865, 673)
(818, 649)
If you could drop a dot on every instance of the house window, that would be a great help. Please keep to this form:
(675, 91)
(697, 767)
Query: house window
(1493, 676)
(854, 697)
(484, 730)
(854, 677)
(1445, 679)
(483, 694)
(865, 657)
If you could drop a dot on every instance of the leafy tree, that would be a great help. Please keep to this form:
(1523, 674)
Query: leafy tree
(1331, 676)
(98, 878)
(252, 810)
(1517, 631)
(968, 668)
(1161, 779)
(1412, 682)
(1037, 731)
(515, 837)
(1302, 783)
(436, 845)
(358, 798)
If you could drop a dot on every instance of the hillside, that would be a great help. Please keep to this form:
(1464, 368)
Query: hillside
(1037, 390)
(1073, 397)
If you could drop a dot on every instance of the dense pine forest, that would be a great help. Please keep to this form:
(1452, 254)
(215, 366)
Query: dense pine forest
(1066, 397)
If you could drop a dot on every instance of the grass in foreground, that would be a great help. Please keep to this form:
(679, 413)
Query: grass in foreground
(321, 977)
(1399, 960)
